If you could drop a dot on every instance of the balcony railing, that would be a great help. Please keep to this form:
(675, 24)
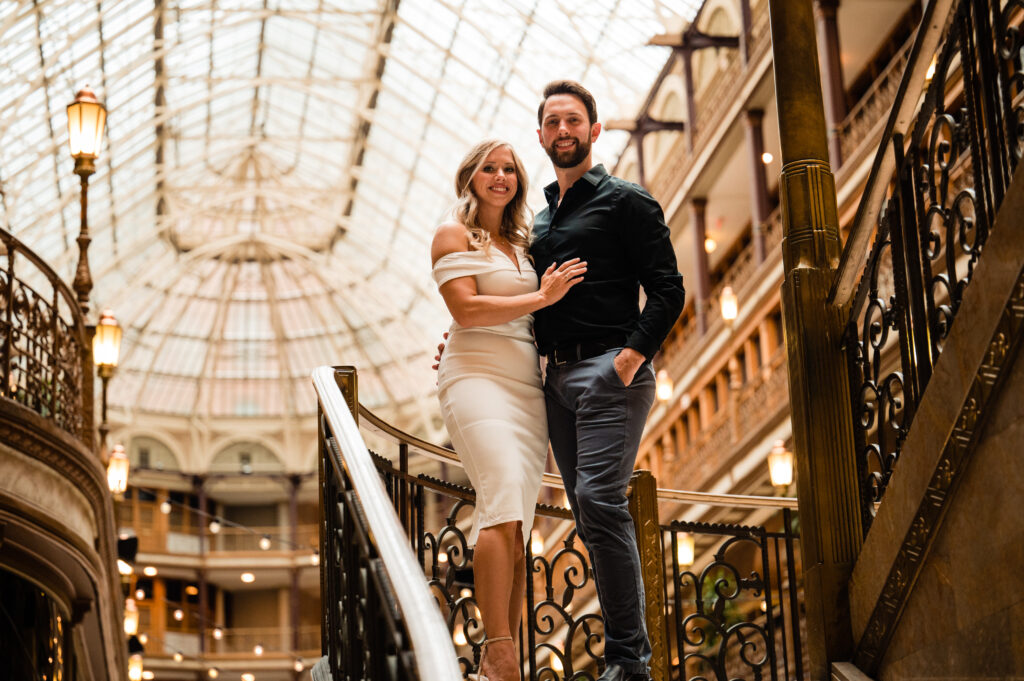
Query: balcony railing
(265, 641)
(733, 613)
(928, 228)
(743, 274)
(874, 106)
(44, 343)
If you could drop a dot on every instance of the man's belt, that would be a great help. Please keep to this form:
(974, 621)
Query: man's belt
(575, 352)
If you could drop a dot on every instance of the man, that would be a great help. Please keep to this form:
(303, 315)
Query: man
(599, 383)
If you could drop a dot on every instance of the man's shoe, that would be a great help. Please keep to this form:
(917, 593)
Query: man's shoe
(614, 672)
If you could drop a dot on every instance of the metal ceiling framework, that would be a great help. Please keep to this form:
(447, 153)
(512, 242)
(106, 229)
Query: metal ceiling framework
(273, 170)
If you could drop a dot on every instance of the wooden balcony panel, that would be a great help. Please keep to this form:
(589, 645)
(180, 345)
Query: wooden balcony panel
(735, 428)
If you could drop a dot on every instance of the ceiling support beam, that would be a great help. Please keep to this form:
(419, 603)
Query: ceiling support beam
(386, 29)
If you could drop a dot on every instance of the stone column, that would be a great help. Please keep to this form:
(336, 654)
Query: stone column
(833, 88)
(758, 181)
(831, 531)
(698, 212)
(745, 25)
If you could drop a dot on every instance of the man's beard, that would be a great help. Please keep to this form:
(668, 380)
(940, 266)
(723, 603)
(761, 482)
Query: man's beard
(570, 159)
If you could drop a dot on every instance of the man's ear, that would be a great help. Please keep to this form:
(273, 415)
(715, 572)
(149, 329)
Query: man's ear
(595, 131)
(540, 137)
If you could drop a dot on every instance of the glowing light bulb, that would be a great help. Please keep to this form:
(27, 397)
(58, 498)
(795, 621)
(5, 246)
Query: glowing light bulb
(780, 465)
(767, 157)
(149, 571)
(248, 577)
(265, 543)
(710, 245)
(663, 385)
(257, 649)
(536, 542)
(459, 637)
(685, 551)
(179, 614)
(729, 303)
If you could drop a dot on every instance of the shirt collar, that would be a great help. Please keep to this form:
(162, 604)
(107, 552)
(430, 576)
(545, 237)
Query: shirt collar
(593, 176)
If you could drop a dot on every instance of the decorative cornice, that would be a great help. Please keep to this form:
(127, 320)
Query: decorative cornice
(976, 408)
(26, 431)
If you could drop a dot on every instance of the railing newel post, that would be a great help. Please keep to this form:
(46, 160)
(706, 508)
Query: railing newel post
(643, 506)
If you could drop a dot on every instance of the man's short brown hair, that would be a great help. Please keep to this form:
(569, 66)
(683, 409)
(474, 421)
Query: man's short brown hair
(568, 87)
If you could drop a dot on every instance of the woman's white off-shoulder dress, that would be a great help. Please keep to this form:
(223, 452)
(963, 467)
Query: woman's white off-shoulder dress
(492, 401)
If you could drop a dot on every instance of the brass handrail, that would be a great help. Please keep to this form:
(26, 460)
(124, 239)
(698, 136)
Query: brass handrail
(448, 456)
(434, 656)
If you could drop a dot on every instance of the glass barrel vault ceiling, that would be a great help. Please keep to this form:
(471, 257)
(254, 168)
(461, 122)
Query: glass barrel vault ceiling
(273, 171)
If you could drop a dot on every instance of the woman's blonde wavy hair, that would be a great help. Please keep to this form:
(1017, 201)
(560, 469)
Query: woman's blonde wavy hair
(516, 219)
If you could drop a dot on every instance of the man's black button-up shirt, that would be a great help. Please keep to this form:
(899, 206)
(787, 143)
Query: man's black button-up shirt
(619, 229)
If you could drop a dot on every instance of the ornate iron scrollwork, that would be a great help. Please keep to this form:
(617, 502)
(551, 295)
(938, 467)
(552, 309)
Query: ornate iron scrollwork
(951, 173)
(42, 339)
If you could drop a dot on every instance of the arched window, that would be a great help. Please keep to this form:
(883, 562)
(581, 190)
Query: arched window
(708, 62)
(148, 453)
(246, 458)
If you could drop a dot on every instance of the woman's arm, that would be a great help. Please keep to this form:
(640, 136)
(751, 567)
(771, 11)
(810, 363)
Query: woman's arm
(470, 308)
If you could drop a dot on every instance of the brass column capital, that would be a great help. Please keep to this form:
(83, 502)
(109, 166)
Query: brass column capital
(810, 218)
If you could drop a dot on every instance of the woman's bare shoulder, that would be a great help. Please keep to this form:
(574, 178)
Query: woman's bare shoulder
(449, 237)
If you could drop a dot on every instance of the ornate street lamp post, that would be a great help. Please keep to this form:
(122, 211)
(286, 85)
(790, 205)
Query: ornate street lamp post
(106, 348)
(87, 118)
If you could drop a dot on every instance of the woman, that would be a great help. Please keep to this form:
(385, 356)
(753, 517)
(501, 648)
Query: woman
(489, 382)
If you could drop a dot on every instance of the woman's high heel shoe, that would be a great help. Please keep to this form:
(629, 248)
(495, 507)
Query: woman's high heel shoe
(479, 675)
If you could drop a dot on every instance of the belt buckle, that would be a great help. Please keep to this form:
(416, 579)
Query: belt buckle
(560, 360)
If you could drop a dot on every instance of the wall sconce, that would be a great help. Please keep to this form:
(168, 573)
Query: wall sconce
(117, 470)
(730, 306)
(135, 651)
(780, 465)
(663, 385)
(131, 617)
(685, 550)
(135, 667)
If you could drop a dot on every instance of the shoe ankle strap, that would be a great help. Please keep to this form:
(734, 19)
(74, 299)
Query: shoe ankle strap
(488, 641)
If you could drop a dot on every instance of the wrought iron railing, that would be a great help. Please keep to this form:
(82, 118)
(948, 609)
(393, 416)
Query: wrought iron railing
(728, 624)
(937, 181)
(44, 343)
(749, 591)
